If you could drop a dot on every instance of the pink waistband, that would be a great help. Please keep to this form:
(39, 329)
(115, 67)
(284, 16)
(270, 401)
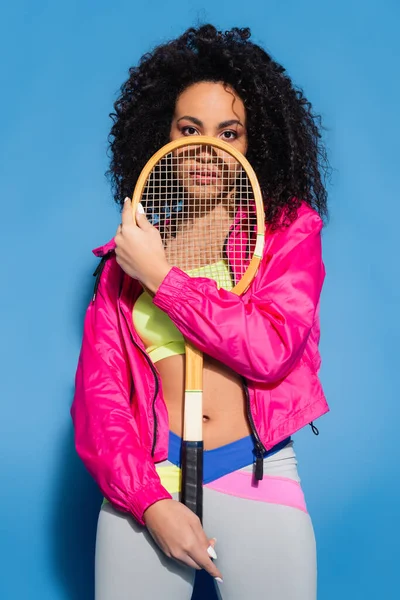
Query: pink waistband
(275, 490)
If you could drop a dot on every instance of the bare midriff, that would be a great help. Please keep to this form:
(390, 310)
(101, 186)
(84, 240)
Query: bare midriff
(224, 407)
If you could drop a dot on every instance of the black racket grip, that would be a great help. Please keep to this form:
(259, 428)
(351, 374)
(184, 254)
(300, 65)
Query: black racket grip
(192, 476)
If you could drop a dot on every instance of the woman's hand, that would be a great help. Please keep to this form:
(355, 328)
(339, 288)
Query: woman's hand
(139, 249)
(179, 534)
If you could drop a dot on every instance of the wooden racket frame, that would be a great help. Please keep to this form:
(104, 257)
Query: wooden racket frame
(193, 405)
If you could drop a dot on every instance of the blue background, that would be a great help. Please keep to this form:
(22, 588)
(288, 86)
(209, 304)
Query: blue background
(63, 63)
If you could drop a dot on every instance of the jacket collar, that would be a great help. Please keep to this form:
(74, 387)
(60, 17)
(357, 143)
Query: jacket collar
(105, 249)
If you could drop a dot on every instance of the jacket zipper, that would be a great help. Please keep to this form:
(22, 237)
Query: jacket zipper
(97, 274)
(259, 446)
(156, 387)
(156, 390)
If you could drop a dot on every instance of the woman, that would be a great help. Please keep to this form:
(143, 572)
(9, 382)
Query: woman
(260, 369)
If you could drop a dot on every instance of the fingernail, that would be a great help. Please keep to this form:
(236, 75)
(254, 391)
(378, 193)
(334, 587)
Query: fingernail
(126, 199)
(140, 209)
(215, 539)
(219, 579)
(211, 552)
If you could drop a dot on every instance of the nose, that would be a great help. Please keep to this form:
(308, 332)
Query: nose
(207, 154)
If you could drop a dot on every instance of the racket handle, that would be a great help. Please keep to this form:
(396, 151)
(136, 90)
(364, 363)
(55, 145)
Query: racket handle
(192, 476)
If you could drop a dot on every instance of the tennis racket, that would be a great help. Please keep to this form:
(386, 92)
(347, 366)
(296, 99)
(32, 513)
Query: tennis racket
(204, 197)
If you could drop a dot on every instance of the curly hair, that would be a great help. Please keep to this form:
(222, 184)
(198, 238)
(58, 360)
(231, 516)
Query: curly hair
(284, 136)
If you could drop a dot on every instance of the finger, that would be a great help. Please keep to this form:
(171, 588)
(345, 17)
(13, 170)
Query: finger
(211, 548)
(117, 239)
(210, 545)
(127, 216)
(204, 561)
(204, 539)
(141, 219)
(189, 562)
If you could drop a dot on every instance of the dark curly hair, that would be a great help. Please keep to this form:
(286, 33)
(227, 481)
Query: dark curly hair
(284, 139)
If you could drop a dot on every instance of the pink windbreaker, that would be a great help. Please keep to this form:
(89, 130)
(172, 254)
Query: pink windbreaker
(269, 336)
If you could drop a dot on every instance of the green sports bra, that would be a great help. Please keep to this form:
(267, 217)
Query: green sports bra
(160, 336)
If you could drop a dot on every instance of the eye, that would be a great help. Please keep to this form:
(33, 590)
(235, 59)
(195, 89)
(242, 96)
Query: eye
(189, 130)
(229, 135)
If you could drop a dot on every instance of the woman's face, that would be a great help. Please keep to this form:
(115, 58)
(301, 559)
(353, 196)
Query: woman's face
(214, 110)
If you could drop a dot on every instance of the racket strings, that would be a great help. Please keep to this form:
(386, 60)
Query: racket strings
(202, 201)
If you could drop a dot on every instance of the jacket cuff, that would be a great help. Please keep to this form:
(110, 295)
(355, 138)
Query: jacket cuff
(171, 289)
(145, 497)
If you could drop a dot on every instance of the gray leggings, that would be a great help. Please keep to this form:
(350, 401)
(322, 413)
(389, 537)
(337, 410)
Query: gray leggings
(266, 550)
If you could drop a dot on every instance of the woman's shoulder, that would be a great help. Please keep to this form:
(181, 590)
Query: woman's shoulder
(306, 218)
(300, 237)
(306, 222)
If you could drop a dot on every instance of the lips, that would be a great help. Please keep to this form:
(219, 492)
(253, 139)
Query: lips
(203, 173)
(204, 176)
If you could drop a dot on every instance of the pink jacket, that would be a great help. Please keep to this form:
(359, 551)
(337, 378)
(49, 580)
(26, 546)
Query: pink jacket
(269, 336)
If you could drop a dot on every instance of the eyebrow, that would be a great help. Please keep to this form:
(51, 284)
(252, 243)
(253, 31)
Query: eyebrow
(220, 126)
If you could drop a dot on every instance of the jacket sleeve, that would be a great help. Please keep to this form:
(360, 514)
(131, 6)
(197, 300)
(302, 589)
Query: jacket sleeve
(262, 335)
(106, 435)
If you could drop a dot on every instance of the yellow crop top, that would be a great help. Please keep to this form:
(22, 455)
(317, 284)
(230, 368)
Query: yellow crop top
(160, 336)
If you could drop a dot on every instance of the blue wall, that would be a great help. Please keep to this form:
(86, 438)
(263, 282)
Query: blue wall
(63, 64)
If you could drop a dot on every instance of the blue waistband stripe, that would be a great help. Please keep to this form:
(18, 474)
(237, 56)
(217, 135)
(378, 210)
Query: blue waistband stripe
(223, 460)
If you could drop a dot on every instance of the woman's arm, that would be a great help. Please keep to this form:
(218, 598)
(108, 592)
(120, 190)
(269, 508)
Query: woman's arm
(106, 436)
(262, 336)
